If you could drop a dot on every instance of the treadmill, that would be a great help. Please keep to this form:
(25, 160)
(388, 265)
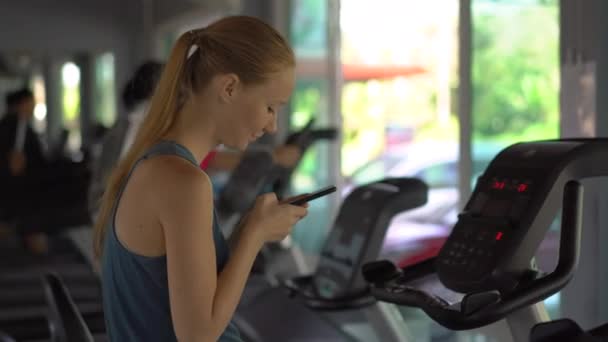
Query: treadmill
(334, 303)
(485, 271)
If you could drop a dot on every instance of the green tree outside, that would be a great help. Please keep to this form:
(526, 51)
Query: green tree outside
(515, 70)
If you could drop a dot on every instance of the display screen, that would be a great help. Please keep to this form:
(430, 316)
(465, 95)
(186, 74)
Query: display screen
(498, 185)
(497, 207)
(510, 185)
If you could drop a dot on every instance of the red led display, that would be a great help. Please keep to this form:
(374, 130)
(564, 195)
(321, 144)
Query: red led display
(498, 236)
(498, 185)
(509, 185)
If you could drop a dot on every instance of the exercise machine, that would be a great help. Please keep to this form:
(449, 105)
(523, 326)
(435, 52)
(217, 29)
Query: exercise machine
(336, 296)
(485, 270)
(65, 320)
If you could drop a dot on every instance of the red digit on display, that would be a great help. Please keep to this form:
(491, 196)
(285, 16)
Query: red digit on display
(498, 185)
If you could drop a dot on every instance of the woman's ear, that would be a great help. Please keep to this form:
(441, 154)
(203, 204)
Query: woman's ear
(229, 85)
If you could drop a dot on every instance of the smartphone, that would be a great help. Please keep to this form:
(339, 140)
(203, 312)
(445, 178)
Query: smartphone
(319, 193)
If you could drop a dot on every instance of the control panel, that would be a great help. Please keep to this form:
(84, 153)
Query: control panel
(482, 273)
(480, 254)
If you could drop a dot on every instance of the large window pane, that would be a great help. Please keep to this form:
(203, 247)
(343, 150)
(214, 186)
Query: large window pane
(515, 71)
(310, 101)
(398, 114)
(70, 102)
(39, 123)
(105, 89)
(309, 28)
(516, 86)
(399, 118)
(308, 34)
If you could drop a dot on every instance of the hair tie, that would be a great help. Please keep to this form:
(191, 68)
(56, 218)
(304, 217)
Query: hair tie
(194, 46)
(192, 50)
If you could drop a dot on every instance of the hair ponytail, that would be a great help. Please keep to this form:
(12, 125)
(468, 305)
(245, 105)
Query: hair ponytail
(160, 117)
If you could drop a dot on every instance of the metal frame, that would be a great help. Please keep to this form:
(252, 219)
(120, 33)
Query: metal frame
(601, 130)
(521, 322)
(465, 100)
(583, 40)
(335, 93)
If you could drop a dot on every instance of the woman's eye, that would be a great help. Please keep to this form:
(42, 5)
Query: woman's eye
(270, 110)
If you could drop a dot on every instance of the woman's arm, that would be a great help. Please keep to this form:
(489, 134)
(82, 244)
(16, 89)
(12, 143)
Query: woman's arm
(202, 303)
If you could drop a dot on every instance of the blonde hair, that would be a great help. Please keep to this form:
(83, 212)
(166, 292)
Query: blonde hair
(242, 45)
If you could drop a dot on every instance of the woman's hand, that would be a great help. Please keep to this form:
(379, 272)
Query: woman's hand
(270, 220)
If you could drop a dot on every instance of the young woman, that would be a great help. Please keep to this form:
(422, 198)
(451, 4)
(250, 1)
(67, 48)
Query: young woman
(166, 270)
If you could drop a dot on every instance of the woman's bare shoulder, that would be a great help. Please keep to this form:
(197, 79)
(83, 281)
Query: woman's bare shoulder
(176, 179)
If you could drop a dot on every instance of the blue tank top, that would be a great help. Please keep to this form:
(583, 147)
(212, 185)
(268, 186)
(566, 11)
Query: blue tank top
(135, 287)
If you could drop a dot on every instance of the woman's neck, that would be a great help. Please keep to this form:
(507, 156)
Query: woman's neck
(195, 130)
